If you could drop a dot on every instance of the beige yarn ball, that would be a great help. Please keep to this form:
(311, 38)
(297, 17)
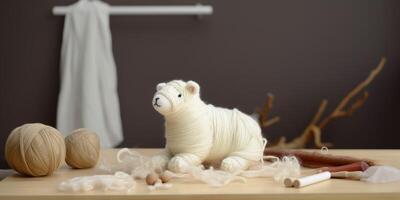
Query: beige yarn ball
(35, 149)
(83, 149)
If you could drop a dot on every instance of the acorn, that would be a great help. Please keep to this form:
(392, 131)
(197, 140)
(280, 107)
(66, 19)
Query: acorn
(152, 178)
(165, 177)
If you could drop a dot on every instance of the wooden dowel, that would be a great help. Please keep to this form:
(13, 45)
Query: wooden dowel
(357, 166)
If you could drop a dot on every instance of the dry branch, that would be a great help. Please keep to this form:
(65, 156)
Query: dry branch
(264, 112)
(342, 110)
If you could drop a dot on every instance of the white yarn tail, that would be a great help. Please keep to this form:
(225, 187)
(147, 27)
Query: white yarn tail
(264, 140)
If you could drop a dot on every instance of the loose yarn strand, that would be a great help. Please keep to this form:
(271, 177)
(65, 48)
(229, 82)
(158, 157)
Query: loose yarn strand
(264, 141)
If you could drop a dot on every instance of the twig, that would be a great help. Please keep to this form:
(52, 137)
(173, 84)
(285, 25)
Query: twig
(310, 130)
(340, 110)
(264, 112)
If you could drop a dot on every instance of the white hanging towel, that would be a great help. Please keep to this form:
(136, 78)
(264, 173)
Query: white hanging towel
(88, 97)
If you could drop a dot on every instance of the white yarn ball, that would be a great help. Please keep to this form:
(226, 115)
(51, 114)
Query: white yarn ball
(198, 133)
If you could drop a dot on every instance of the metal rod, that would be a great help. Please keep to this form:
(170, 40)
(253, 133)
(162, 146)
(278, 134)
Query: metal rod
(149, 10)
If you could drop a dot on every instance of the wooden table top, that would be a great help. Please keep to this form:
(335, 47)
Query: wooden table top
(17, 187)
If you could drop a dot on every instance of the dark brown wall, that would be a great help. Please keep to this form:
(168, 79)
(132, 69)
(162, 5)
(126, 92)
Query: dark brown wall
(301, 51)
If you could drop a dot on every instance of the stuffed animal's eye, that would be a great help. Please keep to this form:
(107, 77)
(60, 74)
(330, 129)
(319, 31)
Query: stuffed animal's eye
(179, 95)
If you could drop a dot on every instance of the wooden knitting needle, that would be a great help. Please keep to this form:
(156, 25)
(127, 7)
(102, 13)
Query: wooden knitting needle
(355, 175)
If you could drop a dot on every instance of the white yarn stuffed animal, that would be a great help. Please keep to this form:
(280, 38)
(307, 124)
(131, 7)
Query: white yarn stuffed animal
(198, 133)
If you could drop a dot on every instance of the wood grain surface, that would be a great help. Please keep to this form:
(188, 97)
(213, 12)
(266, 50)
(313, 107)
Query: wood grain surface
(17, 187)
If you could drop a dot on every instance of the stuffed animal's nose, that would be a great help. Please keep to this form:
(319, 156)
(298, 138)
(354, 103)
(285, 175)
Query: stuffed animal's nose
(155, 101)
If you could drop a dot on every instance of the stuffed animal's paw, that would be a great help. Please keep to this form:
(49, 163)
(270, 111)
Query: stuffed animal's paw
(178, 164)
(234, 164)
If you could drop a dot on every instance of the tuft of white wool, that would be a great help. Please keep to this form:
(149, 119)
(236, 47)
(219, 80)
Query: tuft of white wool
(120, 181)
(198, 133)
(159, 186)
(287, 167)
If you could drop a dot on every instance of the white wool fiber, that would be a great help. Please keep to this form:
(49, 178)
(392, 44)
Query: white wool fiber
(120, 181)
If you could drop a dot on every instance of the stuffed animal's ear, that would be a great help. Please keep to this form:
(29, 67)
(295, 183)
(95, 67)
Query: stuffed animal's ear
(192, 87)
(160, 86)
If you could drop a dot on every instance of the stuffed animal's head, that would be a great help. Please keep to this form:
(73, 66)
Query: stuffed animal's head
(172, 96)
